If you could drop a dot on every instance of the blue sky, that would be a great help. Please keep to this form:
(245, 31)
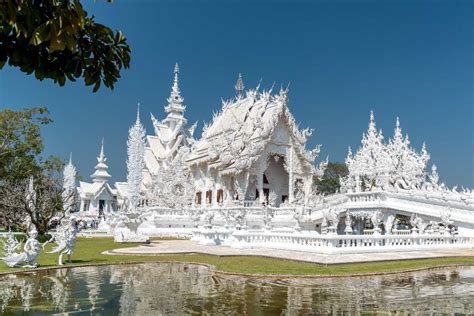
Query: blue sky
(412, 59)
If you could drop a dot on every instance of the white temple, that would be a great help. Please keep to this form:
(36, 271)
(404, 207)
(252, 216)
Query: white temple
(249, 182)
(98, 197)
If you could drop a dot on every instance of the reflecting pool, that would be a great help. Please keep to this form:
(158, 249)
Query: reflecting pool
(160, 288)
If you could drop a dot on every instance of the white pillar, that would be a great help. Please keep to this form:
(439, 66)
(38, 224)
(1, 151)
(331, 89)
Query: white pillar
(290, 176)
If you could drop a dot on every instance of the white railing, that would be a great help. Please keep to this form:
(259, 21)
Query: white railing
(401, 232)
(347, 243)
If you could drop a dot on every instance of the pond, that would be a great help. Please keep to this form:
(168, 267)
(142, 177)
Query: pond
(161, 288)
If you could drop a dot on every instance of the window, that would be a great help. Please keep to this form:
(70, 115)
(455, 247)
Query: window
(209, 197)
(197, 201)
(220, 196)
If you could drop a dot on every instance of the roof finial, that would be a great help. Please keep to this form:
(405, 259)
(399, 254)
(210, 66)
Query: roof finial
(371, 116)
(176, 68)
(398, 123)
(138, 112)
(239, 86)
(175, 101)
(70, 158)
(101, 155)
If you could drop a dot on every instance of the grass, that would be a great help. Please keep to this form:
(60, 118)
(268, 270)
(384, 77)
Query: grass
(89, 251)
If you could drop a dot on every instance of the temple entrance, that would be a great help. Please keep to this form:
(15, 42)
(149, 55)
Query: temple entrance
(275, 179)
(101, 208)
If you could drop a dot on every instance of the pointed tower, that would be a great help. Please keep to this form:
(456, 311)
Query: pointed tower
(135, 161)
(101, 174)
(239, 87)
(175, 107)
(69, 185)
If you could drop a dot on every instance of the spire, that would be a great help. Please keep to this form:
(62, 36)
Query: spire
(176, 78)
(138, 113)
(69, 185)
(101, 157)
(101, 174)
(239, 86)
(175, 102)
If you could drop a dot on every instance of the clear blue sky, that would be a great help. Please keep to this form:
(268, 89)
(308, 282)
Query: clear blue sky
(412, 59)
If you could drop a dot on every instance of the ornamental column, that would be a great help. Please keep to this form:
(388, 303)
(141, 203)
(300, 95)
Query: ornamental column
(290, 176)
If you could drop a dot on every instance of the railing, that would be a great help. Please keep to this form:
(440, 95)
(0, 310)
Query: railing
(401, 232)
(347, 243)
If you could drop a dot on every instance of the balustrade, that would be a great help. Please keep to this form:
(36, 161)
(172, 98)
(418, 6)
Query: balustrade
(348, 243)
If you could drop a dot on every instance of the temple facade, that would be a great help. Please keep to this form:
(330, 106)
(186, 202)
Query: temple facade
(250, 179)
(98, 197)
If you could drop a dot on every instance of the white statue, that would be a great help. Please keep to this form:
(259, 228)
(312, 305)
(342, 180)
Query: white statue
(10, 245)
(348, 230)
(27, 258)
(65, 238)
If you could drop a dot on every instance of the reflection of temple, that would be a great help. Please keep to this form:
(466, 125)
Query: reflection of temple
(181, 289)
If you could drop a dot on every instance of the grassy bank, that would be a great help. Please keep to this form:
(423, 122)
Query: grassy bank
(89, 251)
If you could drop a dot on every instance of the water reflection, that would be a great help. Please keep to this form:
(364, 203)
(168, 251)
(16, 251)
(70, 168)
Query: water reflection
(187, 289)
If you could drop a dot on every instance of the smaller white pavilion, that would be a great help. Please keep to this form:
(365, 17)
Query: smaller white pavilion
(98, 198)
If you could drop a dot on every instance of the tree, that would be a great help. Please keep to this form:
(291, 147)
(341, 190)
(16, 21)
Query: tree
(58, 40)
(36, 200)
(135, 161)
(21, 142)
(329, 182)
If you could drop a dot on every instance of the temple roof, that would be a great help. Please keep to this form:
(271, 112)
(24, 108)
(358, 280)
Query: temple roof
(239, 132)
(93, 190)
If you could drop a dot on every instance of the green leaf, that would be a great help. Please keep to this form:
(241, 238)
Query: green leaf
(41, 34)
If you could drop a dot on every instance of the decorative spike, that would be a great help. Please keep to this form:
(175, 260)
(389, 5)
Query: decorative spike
(138, 113)
(239, 86)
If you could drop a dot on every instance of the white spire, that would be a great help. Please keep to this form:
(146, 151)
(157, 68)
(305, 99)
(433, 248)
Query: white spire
(138, 113)
(135, 161)
(175, 102)
(69, 185)
(239, 86)
(101, 174)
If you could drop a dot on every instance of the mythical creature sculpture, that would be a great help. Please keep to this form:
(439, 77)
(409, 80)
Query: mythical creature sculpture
(348, 230)
(268, 214)
(10, 244)
(376, 218)
(446, 217)
(272, 198)
(416, 221)
(299, 192)
(299, 216)
(27, 258)
(240, 217)
(209, 218)
(195, 216)
(65, 238)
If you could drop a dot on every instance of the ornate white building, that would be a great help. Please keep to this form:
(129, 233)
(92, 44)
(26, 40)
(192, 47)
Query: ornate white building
(251, 175)
(98, 197)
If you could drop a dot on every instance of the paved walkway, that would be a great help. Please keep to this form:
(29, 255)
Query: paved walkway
(166, 247)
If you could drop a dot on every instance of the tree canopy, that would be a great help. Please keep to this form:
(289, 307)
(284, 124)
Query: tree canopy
(56, 39)
(329, 182)
(21, 142)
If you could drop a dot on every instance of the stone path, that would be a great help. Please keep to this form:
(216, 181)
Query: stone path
(166, 247)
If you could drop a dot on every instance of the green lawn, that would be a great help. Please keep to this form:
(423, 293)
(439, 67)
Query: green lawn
(89, 251)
